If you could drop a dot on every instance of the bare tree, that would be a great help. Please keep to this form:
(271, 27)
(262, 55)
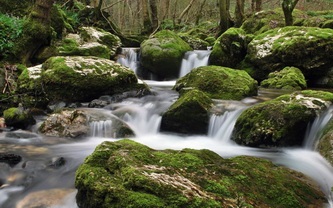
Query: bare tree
(239, 12)
(224, 15)
(185, 11)
(288, 7)
(256, 5)
(154, 15)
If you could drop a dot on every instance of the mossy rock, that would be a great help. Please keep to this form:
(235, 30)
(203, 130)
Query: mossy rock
(325, 142)
(129, 174)
(280, 122)
(78, 79)
(289, 78)
(189, 114)
(229, 49)
(89, 42)
(162, 54)
(307, 48)
(18, 118)
(265, 20)
(219, 82)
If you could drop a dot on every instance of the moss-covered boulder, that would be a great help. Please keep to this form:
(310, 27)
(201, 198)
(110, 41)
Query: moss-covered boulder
(189, 114)
(84, 122)
(219, 82)
(90, 42)
(128, 174)
(266, 20)
(162, 54)
(307, 48)
(18, 118)
(282, 121)
(229, 49)
(77, 79)
(289, 78)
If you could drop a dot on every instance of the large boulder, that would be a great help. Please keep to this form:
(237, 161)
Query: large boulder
(189, 114)
(289, 78)
(126, 173)
(229, 49)
(162, 54)
(77, 79)
(282, 121)
(90, 42)
(219, 82)
(84, 122)
(307, 48)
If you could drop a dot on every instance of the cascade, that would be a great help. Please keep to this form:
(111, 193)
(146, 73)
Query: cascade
(221, 126)
(143, 116)
(129, 58)
(315, 129)
(101, 128)
(194, 59)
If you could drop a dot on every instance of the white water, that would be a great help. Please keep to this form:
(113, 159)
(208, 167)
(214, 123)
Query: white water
(129, 58)
(194, 59)
(191, 60)
(143, 115)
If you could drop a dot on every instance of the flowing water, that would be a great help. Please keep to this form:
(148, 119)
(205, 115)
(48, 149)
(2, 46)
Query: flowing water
(38, 169)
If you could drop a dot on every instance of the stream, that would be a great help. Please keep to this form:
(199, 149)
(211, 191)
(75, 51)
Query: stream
(50, 163)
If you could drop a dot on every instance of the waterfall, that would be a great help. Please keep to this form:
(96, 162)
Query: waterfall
(221, 126)
(129, 58)
(314, 130)
(194, 59)
(101, 129)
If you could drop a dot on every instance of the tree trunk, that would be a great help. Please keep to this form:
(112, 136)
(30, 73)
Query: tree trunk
(146, 21)
(154, 16)
(199, 15)
(256, 5)
(288, 7)
(166, 9)
(239, 13)
(185, 11)
(224, 16)
(41, 10)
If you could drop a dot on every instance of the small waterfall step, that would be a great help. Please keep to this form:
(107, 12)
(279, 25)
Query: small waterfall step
(194, 59)
(129, 57)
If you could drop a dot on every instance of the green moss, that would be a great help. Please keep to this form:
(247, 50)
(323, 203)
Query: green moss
(189, 114)
(282, 121)
(18, 118)
(219, 82)
(144, 177)
(229, 49)
(162, 54)
(289, 78)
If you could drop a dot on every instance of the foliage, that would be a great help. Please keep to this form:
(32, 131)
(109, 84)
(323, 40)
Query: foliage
(11, 29)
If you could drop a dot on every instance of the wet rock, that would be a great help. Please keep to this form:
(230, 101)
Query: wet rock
(74, 79)
(280, 122)
(219, 82)
(189, 114)
(162, 54)
(18, 118)
(57, 162)
(45, 198)
(67, 123)
(125, 172)
(20, 134)
(81, 123)
(230, 48)
(10, 159)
